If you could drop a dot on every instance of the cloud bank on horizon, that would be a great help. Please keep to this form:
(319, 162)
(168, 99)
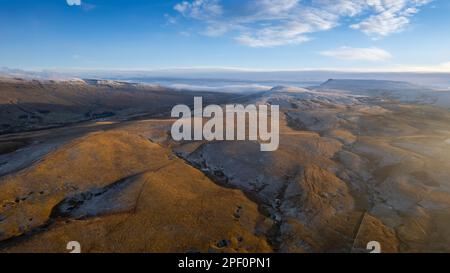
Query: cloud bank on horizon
(270, 23)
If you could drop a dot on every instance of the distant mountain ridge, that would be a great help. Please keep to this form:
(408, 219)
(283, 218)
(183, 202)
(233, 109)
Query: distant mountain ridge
(397, 90)
(441, 80)
(372, 85)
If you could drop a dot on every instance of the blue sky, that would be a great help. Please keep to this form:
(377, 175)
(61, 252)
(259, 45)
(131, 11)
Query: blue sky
(397, 35)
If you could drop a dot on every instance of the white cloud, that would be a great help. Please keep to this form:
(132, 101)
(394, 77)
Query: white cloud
(73, 2)
(200, 9)
(372, 54)
(267, 23)
(445, 65)
(289, 32)
(275, 7)
(383, 24)
(391, 16)
(270, 41)
(342, 7)
(170, 19)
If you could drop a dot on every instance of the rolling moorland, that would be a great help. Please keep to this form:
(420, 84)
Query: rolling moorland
(93, 161)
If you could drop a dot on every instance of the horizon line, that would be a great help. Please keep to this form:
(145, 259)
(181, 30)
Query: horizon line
(211, 69)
